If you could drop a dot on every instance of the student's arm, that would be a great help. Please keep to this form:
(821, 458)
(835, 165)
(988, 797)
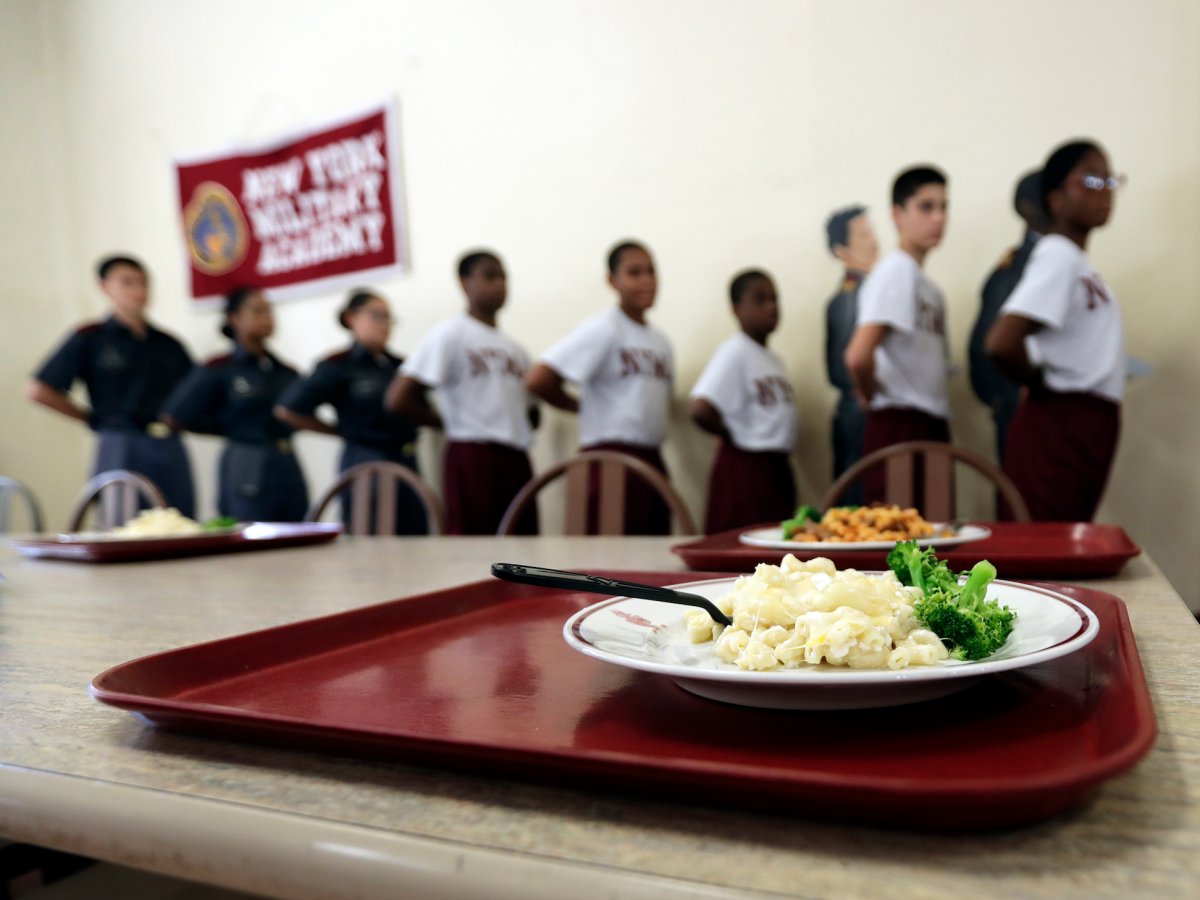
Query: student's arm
(410, 398)
(1005, 347)
(548, 384)
(708, 417)
(194, 404)
(860, 358)
(52, 398)
(301, 422)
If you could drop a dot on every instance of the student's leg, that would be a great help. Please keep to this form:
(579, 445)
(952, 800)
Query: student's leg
(513, 471)
(886, 427)
(165, 462)
(410, 513)
(645, 510)
(283, 493)
(748, 488)
(1060, 452)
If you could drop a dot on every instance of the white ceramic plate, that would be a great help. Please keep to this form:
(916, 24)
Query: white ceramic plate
(88, 537)
(651, 637)
(769, 537)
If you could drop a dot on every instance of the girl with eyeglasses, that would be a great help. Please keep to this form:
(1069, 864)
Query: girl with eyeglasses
(1060, 334)
(353, 383)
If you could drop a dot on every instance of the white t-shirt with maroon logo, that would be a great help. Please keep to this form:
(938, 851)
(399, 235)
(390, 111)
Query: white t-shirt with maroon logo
(749, 387)
(624, 372)
(910, 363)
(1082, 346)
(478, 376)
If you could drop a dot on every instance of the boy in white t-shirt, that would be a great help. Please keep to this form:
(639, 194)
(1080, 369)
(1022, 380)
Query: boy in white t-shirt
(897, 355)
(477, 373)
(744, 397)
(1060, 334)
(624, 369)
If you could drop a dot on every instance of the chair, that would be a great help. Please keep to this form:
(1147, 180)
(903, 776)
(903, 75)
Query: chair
(120, 493)
(379, 479)
(937, 460)
(613, 467)
(10, 490)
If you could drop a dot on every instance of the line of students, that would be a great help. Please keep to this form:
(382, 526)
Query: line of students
(143, 388)
(1057, 336)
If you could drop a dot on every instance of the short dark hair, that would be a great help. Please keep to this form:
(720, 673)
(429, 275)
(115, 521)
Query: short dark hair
(1028, 190)
(234, 301)
(742, 281)
(912, 180)
(1060, 164)
(837, 227)
(107, 264)
(615, 254)
(472, 258)
(359, 297)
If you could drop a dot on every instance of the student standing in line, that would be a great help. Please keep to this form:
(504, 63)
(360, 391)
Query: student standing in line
(128, 367)
(259, 478)
(897, 355)
(624, 370)
(478, 375)
(353, 382)
(744, 398)
(991, 386)
(1060, 334)
(852, 240)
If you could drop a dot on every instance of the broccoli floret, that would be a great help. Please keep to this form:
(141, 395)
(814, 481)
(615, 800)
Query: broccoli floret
(920, 568)
(803, 515)
(960, 614)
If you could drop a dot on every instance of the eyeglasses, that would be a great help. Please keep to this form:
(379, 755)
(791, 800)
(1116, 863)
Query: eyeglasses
(1098, 183)
(380, 315)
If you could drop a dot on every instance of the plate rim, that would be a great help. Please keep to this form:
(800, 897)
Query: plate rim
(839, 677)
(860, 546)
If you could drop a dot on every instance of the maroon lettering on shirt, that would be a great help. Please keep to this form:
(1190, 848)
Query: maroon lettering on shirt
(1097, 291)
(486, 360)
(644, 363)
(930, 317)
(772, 390)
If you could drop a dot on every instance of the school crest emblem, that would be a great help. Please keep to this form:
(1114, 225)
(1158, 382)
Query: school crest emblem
(215, 229)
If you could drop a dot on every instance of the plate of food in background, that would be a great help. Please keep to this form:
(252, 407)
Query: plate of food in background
(860, 528)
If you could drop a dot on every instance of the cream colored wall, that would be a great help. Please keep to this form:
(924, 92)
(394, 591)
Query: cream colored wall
(721, 134)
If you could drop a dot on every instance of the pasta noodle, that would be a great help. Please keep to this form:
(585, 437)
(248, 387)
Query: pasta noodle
(801, 614)
(158, 523)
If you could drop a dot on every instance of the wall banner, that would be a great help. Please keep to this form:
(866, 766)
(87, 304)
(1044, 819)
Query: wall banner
(310, 213)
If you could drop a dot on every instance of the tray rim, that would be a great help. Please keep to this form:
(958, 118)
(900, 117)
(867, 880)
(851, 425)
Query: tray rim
(701, 553)
(166, 547)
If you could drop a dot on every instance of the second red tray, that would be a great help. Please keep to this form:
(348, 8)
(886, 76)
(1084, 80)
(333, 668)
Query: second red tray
(1017, 549)
(478, 677)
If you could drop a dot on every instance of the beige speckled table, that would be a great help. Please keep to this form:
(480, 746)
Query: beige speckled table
(87, 778)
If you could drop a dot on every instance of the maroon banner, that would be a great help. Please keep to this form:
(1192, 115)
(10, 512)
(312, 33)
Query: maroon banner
(305, 215)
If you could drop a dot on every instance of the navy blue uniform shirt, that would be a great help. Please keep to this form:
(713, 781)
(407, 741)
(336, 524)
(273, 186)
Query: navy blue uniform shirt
(127, 378)
(989, 384)
(840, 316)
(233, 395)
(353, 383)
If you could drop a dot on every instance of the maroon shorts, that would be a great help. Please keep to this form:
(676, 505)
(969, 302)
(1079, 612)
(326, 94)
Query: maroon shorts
(645, 510)
(886, 427)
(479, 480)
(1060, 451)
(748, 487)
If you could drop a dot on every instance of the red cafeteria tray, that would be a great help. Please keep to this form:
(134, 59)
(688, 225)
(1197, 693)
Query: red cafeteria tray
(254, 536)
(1017, 549)
(478, 678)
